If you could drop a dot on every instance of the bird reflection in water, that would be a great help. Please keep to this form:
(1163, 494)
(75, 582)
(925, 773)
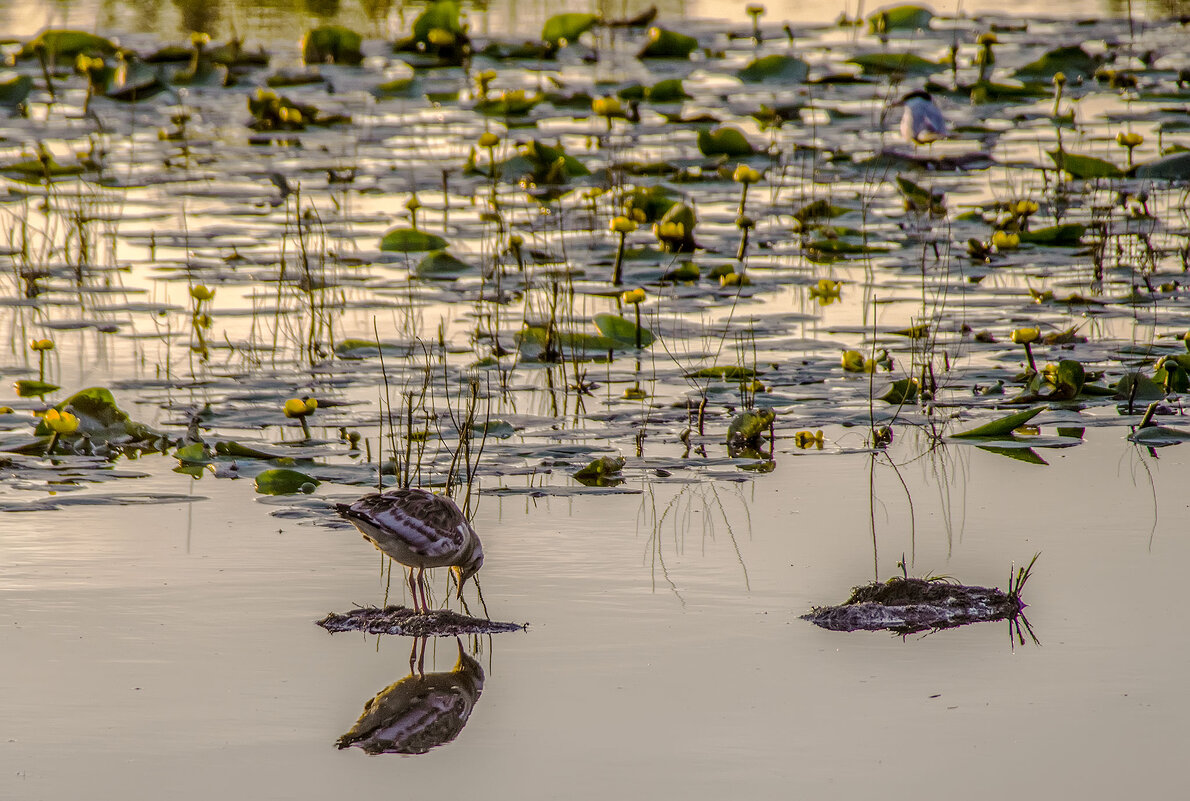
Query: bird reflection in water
(421, 711)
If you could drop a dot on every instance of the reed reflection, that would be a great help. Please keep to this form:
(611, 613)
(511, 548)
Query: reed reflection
(421, 711)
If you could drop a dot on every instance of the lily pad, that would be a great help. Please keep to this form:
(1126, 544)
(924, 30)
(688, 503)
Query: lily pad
(61, 44)
(332, 44)
(562, 29)
(895, 64)
(439, 264)
(1175, 167)
(1001, 427)
(411, 240)
(1082, 167)
(777, 67)
(282, 481)
(662, 43)
(899, 18)
(724, 141)
(623, 331)
(1067, 234)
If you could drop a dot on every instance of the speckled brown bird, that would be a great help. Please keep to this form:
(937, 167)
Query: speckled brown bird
(420, 530)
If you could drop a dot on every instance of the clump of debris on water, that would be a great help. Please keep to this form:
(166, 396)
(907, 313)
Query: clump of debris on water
(402, 620)
(905, 605)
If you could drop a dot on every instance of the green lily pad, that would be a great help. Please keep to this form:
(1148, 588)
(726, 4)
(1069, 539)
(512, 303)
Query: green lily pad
(899, 18)
(1026, 455)
(724, 141)
(282, 481)
(748, 425)
(901, 392)
(241, 451)
(443, 15)
(1175, 167)
(500, 429)
(601, 468)
(561, 29)
(662, 43)
(728, 373)
(60, 45)
(103, 421)
(439, 264)
(1067, 379)
(332, 44)
(28, 388)
(1067, 234)
(667, 91)
(777, 67)
(15, 89)
(1072, 61)
(623, 331)
(1138, 387)
(895, 64)
(411, 240)
(1001, 427)
(1083, 167)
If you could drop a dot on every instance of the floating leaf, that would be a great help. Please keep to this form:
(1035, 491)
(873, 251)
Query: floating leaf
(282, 481)
(500, 429)
(332, 44)
(443, 15)
(777, 67)
(901, 392)
(724, 141)
(729, 373)
(1068, 234)
(60, 45)
(411, 240)
(748, 425)
(1138, 387)
(667, 91)
(900, 18)
(1001, 427)
(15, 89)
(28, 388)
(623, 330)
(439, 264)
(1082, 167)
(817, 210)
(1159, 436)
(895, 64)
(600, 469)
(1067, 378)
(1073, 62)
(1175, 167)
(241, 451)
(662, 43)
(562, 29)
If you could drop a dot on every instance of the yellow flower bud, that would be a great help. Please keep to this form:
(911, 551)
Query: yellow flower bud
(297, 407)
(671, 230)
(633, 296)
(1059, 79)
(488, 139)
(200, 39)
(1129, 139)
(745, 175)
(853, 361)
(61, 422)
(1026, 336)
(623, 225)
(516, 241)
(1005, 240)
(607, 107)
(42, 344)
(987, 39)
(413, 204)
(440, 37)
(201, 292)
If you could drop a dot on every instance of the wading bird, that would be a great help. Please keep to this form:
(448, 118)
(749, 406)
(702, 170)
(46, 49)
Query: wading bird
(420, 530)
(922, 121)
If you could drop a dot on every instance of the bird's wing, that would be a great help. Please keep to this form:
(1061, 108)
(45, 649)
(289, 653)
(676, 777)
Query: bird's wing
(429, 525)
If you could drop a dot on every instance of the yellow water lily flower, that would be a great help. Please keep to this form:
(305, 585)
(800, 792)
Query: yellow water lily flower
(201, 292)
(633, 296)
(61, 422)
(807, 439)
(745, 175)
(623, 225)
(42, 344)
(1026, 336)
(607, 107)
(300, 407)
(488, 139)
(1005, 240)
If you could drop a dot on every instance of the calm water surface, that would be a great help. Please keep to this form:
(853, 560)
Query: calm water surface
(170, 650)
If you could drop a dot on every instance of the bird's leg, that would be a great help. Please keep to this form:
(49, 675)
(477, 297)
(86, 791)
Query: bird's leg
(413, 591)
(413, 656)
(421, 582)
(421, 659)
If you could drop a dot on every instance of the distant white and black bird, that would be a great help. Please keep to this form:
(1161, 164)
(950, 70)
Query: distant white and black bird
(420, 530)
(922, 121)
